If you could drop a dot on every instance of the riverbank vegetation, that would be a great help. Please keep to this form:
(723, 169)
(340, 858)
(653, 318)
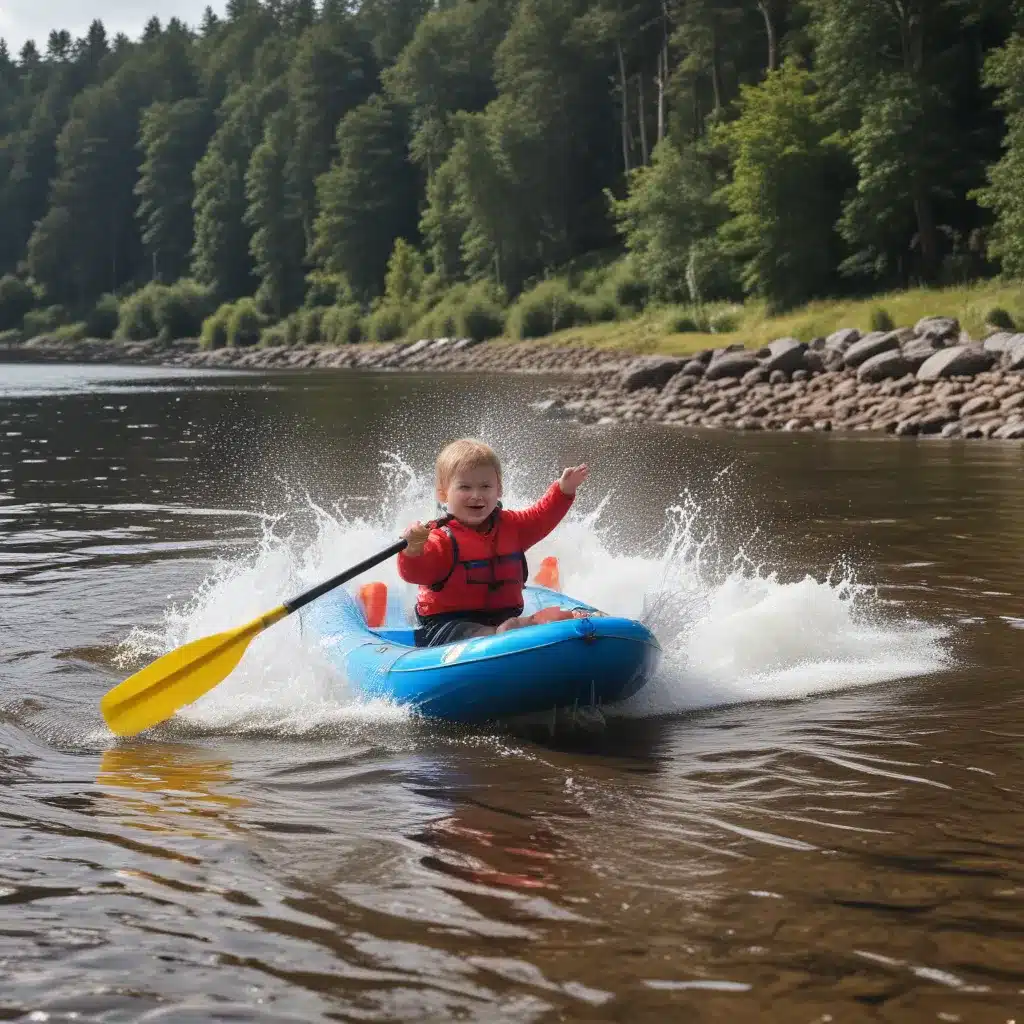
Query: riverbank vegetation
(645, 172)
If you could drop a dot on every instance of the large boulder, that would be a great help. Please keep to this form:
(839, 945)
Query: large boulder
(938, 328)
(872, 345)
(889, 365)
(1014, 358)
(958, 361)
(785, 355)
(732, 364)
(840, 341)
(999, 342)
(650, 372)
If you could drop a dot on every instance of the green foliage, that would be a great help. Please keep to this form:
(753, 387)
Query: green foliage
(403, 281)
(244, 323)
(366, 198)
(782, 202)
(479, 315)
(1001, 318)
(311, 156)
(69, 333)
(1004, 195)
(44, 321)
(547, 308)
(215, 327)
(387, 323)
(165, 311)
(881, 320)
(343, 325)
(671, 206)
(103, 318)
(16, 299)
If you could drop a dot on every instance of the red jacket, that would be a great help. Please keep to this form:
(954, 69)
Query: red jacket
(488, 571)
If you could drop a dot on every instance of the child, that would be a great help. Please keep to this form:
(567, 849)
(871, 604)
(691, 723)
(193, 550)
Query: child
(472, 570)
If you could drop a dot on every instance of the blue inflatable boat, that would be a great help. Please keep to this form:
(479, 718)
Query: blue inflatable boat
(574, 663)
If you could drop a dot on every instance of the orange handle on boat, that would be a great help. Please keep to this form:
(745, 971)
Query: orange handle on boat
(374, 599)
(547, 574)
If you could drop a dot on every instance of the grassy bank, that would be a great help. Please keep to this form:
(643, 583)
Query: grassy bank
(973, 305)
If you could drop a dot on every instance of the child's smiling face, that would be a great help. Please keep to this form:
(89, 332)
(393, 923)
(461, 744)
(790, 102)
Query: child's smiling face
(473, 494)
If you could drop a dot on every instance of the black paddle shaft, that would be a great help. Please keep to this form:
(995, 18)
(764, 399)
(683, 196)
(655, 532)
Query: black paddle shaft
(336, 581)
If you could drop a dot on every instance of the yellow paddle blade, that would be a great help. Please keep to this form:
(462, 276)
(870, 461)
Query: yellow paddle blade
(180, 677)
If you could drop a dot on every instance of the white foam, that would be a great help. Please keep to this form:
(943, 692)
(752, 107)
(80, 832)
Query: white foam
(732, 630)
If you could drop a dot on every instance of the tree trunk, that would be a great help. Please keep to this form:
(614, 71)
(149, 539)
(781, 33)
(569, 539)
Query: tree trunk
(927, 234)
(662, 71)
(641, 119)
(716, 73)
(767, 12)
(624, 108)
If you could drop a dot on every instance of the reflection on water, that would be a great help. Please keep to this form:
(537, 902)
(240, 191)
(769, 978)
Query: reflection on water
(838, 839)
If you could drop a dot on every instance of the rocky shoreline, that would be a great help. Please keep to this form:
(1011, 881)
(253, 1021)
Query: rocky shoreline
(930, 380)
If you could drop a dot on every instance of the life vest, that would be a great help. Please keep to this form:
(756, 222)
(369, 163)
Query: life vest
(488, 572)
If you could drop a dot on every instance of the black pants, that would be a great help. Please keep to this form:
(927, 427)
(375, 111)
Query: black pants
(449, 627)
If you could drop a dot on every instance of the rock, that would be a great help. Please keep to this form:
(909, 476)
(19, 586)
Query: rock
(694, 368)
(959, 361)
(980, 403)
(889, 365)
(939, 328)
(998, 342)
(1013, 359)
(726, 350)
(872, 345)
(758, 375)
(731, 365)
(778, 377)
(1013, 402)
(814, 362)
(785, 355)
(817, 344)
(800, 375)
(650, 372)
(952, 429)
(1010, 431)
(840, 341)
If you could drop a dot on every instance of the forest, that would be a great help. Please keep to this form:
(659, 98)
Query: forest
(295, 171)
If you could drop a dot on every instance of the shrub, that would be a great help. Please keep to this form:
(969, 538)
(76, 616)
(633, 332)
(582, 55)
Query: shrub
(179, 309)
(999, 317)
(273, 337)
(137, 316)
(629, 290)
(881, 321)
(547, 308)
(386, 323)
(724, 322)
(479, 316)
(324, 289)
(44, 321)
(71, 332)
(681, 321)
(343, 325)
(215, 328)
(16, 300)
(244, 323)
(601, 308)
(165, 311)
(102, 320)
(308, 326)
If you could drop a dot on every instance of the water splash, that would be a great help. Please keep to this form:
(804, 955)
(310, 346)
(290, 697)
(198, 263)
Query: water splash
(732, 628)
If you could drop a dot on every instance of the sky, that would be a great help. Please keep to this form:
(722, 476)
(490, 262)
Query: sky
(33, 19)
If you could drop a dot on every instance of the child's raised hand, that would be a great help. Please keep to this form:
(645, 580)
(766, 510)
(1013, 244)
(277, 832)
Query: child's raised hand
(572, 478)
(416, 534)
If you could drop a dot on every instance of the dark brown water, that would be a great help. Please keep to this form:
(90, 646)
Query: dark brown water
(814, 814)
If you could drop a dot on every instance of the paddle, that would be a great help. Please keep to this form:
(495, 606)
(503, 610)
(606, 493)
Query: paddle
(185, 674)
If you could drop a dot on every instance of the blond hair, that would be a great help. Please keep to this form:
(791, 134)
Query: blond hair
(466, 453)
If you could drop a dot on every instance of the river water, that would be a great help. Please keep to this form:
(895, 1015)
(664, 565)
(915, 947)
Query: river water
(814, 813)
